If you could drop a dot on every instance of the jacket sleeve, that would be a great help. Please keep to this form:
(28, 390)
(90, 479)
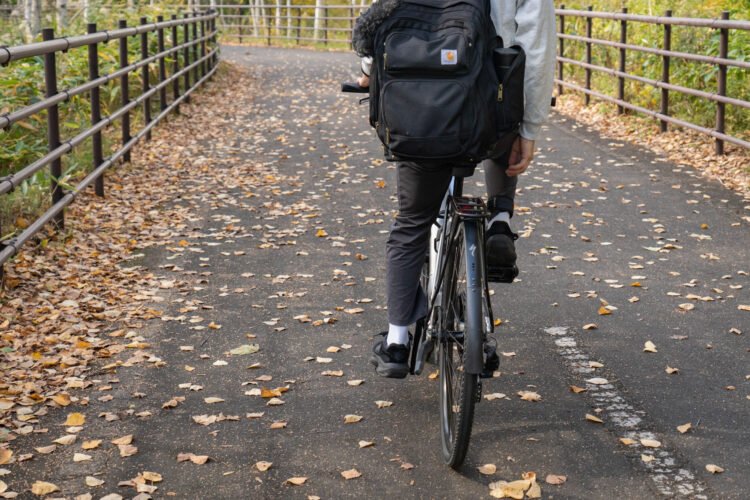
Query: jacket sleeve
(536, 33)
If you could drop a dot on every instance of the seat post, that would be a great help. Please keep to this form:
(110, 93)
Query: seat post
(458, 186)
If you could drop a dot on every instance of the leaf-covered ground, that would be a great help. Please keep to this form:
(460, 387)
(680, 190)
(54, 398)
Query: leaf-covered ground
(204, 332)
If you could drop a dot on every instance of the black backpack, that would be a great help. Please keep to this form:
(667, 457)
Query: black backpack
(442, 88)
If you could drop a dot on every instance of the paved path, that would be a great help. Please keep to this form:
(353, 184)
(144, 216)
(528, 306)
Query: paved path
(601, 220)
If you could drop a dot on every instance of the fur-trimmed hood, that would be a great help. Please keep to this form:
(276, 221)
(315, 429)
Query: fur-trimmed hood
(368, 22)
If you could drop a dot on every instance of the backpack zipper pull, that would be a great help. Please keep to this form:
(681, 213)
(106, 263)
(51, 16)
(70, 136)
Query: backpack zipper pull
(500, 93)
(385, 60)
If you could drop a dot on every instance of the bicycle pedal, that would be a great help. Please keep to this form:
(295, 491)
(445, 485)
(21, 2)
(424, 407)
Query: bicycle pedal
(501, 274)
(423, 352)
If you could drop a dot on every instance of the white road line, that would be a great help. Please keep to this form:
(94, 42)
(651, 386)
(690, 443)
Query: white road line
(670, 477)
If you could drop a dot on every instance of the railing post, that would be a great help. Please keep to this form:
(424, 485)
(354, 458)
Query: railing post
(124, 90)
(96, 112)
(621, 79)
(186, 56)
(162, 64)
(204, 64)
(325, 25)
(268, 28)
(196, 74)
(240, 25)
(561, 42)
(299, 24)
(667, 45)
(175, 66)
(53, 125)
(722, 83)
(145, 79)
(589, 22)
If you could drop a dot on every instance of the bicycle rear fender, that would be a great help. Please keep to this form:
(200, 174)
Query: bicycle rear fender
(473, 320)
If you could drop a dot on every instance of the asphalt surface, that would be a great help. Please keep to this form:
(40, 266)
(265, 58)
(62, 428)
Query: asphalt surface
(600, 219)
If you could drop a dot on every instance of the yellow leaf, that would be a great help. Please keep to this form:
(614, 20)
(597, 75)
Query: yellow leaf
(594, 418)
(321, 233)
(647, 458)
(603, 311)
(297, 481)
(627, 441)
(154, 477)
(75, 420)
(577, 389)
(41, 488)
(61, 399)
(650, 443)
(5, 455)
(123, 440)
(91, 445)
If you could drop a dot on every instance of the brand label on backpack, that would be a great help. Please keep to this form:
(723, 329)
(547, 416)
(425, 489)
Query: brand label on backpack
(448, 57)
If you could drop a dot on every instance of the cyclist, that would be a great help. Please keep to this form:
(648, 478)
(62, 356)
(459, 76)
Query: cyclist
(421, 186)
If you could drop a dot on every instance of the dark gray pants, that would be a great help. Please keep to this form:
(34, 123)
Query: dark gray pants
(420, 189)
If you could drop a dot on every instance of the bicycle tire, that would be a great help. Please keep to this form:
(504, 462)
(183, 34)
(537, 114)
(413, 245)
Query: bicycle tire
(461, 312)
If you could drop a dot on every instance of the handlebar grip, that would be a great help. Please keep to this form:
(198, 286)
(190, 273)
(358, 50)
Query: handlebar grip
(354, 88)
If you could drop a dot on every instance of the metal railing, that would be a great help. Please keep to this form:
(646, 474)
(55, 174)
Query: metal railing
(721, 62)
(295, 23)
(194, 60)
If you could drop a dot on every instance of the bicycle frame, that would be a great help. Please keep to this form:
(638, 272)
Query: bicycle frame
(457, 211)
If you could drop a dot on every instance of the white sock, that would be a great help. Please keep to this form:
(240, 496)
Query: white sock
(500, 217)
(397, 334)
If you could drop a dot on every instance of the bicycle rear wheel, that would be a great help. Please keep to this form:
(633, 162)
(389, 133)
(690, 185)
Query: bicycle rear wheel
(461, 317)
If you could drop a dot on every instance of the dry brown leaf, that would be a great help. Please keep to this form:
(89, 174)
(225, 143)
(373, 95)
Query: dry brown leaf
(594, 418)
(66, 440)
(650, 443)
(355, 383)
(529, 396)
(154, 477)
(127, 450)
(212, 400)
(351, 474)
(714, 469)
(6, 454)
(41, 488)
(487, 469)
(684, 428)
(92, 444)
(123, 440)
(671, 371)
(279, 424)
(576, 389)
(555, 479)
(352, 419)
(407, 466)
(92, 482)
(81, 457)
(627, 441)
(590, 326)
(649, 347)
(263, 466)
(46, 450)
(647, 458)
(297, 481)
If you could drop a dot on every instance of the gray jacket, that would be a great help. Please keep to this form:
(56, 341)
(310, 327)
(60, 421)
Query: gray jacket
(530, 24)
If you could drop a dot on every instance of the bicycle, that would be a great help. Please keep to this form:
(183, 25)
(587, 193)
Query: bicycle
(459, 321)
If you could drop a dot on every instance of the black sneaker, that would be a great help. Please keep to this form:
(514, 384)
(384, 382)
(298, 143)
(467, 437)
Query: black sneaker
(491, 360)
(390, 361)
(501, 253)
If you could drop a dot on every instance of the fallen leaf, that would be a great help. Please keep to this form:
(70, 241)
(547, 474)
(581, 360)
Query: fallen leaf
(212, 400)
(650, 443)
(81, 457)
(91, 445)
(671, 371)
(407, 466)
(487, 469)
(576, 389)
(41, 488)
(647, 458)
(127, 450)
(6, 454)
(245, 349)
(355, 383)
(66, 440)
(92, 482)
(594, 418)
(46, 450)
(684, 427)
(627, 441)
(75, 420)
(686, 306)
(153, 477)
(123, 440)
(366, 444)
(263, 466)
(590, 326)
(649, 347)
(384, 404)
(350, 474)
(297, 481)
(279, 424)
(494, 396)
(352, 419)
(555, 479)
(529, 396)
(714, 469)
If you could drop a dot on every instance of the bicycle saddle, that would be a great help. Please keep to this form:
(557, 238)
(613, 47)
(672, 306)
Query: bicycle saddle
(463, 171)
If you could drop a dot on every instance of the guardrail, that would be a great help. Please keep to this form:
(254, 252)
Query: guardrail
(194, 60)
(721, 62)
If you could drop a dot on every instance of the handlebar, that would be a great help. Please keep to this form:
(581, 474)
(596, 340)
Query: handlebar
(354, 88)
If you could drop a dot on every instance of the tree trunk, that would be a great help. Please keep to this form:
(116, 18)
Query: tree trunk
(62, 13)
(278, 17)
(255, 16)
(289, 17)
(318, 15)
(87, 10)
(32, 18)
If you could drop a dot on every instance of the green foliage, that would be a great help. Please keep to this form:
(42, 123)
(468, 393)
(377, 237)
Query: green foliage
(694, 75)
(22, 84)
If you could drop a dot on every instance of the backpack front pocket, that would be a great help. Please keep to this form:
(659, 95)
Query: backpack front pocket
(434, 52)
(425, 118)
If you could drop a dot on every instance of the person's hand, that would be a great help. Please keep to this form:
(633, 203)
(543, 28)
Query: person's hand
(364, 81)
(521, 154)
